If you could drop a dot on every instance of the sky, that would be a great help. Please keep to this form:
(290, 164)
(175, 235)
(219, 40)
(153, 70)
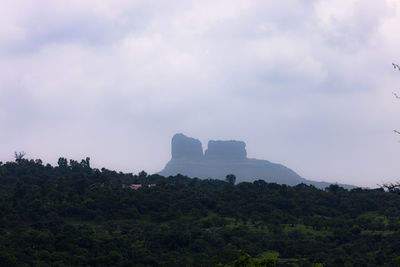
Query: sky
(307, 84)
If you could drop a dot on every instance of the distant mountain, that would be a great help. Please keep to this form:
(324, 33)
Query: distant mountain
(227, 157)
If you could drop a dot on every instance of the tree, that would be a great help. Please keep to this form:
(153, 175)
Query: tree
(245, 260)
(393, 187)
(143, 174)
(86, 163)
(230, 178)
(19, 156)
(63, 163)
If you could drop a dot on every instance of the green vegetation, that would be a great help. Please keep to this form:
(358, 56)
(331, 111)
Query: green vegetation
(245, 260)
(75, 215)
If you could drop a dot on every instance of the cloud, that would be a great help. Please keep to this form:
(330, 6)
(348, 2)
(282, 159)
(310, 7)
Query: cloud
(351, 25)
(305, 84)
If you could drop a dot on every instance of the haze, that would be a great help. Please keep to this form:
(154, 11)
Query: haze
(307, 84)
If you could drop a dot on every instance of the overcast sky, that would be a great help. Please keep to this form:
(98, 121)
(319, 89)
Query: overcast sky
(304, 83)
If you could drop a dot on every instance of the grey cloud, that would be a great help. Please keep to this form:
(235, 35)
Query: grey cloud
(116, 81)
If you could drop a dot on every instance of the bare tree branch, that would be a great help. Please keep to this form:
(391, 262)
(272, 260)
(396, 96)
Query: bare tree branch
(19, 156)
(392, 187)
(396, 66)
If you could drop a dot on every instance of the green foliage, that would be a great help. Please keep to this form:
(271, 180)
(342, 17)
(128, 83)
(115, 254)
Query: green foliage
(245, 260)
(74, 215)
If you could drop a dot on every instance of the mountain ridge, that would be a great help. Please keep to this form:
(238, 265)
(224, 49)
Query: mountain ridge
(224, 157)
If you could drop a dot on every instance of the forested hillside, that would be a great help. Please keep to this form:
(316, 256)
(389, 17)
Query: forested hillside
(75, 215)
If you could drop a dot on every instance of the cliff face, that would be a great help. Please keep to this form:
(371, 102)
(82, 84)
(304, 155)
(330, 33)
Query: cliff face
(222, 158)
(226, 157)
(226, 150)
(183, 147)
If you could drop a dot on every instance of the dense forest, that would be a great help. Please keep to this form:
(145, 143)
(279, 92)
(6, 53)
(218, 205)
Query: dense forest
(76, 215)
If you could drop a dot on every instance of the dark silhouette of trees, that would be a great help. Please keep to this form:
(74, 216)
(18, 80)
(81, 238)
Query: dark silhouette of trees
(19, 156)
(230, 178)
(392, 187)
(75, 215)
(63, 163)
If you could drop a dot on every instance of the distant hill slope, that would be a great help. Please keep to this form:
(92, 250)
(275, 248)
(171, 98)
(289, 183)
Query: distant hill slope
(227, 157)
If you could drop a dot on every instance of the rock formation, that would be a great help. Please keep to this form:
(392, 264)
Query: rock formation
(227, 157)
(183, 147)
(226, 150)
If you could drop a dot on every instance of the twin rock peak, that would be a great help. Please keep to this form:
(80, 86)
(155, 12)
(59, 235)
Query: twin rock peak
(183, 147)
(222, 158)
(227, 157)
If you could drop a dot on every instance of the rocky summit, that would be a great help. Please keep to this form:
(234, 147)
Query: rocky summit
(183, 147)
(227, 157)
(226, 150)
